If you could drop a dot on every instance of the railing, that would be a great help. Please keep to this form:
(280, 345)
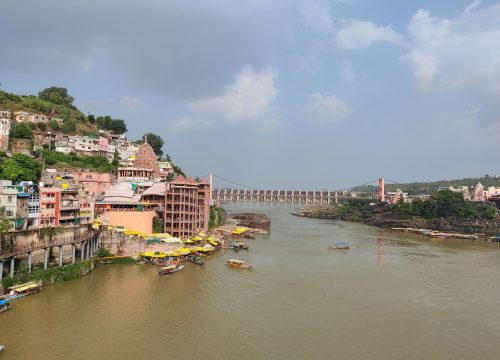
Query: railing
(13, 250)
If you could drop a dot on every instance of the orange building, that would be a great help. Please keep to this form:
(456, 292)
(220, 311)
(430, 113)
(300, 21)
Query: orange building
(187, 206)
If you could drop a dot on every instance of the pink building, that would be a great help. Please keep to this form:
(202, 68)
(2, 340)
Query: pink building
(94, 183)
(50, 205)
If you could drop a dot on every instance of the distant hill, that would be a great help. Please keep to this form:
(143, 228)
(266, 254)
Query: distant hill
(416, 188)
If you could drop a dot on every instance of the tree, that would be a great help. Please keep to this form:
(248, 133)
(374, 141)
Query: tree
(21, 131)
(118, 127)
(155, 141)
(42, 126)
(4, 221)
(56, 95)
(54, 125)
(20, 167)
(68, 126)
(91, 118)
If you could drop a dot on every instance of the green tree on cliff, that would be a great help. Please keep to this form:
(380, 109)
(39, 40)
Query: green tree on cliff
(20, 167)
(22, 131)
(57, 95)
(155, 141)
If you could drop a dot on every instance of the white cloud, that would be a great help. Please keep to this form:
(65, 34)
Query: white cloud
(326, 109)
(188, 124)
(249, 98)
(456, 53)
(356, 34)
(472, 7)
(132, 103)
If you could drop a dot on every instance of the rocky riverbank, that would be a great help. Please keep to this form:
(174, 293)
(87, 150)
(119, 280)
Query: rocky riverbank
(251, 220)
(386, 219)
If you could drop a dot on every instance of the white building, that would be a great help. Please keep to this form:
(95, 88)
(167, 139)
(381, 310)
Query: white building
(5, 124)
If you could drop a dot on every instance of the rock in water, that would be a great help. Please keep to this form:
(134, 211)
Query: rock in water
(252, 220)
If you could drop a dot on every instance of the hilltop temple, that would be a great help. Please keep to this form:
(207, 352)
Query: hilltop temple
(145, 165)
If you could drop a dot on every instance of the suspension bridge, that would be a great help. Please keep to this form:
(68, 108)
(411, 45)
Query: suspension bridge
(235, 192)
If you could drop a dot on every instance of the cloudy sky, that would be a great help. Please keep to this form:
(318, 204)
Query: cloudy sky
(277, 93)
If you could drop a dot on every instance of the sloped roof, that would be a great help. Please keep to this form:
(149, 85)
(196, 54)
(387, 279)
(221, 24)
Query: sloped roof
(158, 188)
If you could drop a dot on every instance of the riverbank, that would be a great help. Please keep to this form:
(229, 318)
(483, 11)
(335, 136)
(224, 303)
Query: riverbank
(384, 218)
(50, 276)
(118, 248)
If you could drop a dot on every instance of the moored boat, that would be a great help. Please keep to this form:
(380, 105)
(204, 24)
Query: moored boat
(4, 305)
(237, 264)
(196, 259)
(340, 246)
(18, 291)
(170, 269)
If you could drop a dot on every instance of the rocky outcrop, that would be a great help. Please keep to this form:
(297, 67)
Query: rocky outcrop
(252, 220)
(386, 219)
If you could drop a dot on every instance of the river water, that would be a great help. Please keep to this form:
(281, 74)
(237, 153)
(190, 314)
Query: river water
(391, 296)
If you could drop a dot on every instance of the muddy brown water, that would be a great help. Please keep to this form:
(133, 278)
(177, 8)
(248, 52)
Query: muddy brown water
(391, 296)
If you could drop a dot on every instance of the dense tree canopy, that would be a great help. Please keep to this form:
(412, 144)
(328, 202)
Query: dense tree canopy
(443, 204)
(56, 95)
(117, 126)
(156, 142)
(20, 167)
(21, 131)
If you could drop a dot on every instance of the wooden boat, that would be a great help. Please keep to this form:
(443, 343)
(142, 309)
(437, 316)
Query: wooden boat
(4, 305)
(170, 269)
(237, 264)
(196, 259)
(18, 291)
(495, 238)
(340, 246)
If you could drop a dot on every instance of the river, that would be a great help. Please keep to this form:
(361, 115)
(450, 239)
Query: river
(391, 296)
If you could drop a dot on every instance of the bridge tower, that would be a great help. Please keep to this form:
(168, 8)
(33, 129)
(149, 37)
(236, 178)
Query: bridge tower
(381, 190)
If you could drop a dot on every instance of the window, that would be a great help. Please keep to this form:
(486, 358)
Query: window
(9, 198)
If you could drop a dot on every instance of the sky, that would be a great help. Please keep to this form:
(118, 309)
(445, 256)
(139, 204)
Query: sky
(288, 94)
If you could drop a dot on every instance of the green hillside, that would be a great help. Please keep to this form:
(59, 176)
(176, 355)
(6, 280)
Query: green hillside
(416, 188)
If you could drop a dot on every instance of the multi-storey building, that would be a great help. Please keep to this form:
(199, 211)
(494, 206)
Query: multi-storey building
(70, 206)
(50, 206)
(5, 124)
(187, 206)
(34, 210)
(92, 183)
(8, 200)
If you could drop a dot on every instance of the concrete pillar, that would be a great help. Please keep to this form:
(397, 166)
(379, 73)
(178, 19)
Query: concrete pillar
(1, 270)
(45, 258)
(73, 253)
(30, 261)
(60, 255)
(82, 251)
(12, 262)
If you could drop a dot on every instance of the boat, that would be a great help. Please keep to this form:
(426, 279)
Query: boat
(196, 259)
(170, 269)
(237, 264)
(4, 305)
(241, 245)
(18, 291)
(340, 246)
(2, 347)
(495, 238)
